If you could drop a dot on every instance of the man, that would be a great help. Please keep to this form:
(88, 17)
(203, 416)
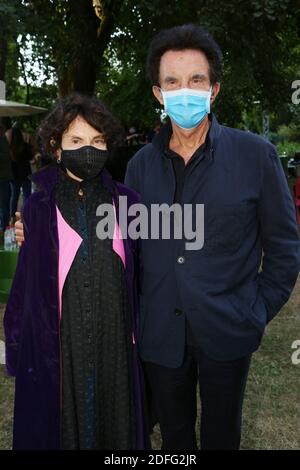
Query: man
(203, 312)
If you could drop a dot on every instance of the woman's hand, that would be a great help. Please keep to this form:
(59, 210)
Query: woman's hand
(19, 229)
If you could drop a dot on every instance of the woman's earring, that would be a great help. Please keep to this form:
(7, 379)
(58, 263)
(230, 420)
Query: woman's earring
(58, 160)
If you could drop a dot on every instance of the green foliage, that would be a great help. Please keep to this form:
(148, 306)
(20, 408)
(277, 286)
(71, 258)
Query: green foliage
(288, 148)
(260, 46)
(75, 51)
(290, 133)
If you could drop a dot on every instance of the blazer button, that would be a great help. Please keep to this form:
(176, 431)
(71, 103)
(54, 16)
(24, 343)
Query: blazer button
(181, 259)
(178, 312)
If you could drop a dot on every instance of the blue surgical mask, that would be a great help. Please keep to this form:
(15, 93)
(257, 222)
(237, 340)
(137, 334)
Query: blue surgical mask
(187, 107)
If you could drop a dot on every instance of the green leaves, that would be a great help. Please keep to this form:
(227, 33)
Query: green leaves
(69, 44)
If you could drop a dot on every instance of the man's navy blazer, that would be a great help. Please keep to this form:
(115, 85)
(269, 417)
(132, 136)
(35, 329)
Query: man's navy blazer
(245, 272)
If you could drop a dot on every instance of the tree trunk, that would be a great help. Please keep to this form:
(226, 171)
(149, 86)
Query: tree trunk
(3, 58)
(93, 38)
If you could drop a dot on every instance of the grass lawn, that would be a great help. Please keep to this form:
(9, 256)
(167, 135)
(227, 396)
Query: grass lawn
(6, 400)
(272, 403)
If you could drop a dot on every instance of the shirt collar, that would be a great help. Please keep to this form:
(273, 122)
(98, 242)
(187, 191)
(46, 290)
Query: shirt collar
(162, 139)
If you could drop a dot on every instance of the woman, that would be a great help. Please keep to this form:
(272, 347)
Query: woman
(70, 321)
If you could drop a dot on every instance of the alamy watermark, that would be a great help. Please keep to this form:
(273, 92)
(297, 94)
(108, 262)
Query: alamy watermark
(160, 221)
(296, 93)
(296, 354)
(2, 352)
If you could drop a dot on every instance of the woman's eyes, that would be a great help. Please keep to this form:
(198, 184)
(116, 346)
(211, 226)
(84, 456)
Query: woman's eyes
(97, 141)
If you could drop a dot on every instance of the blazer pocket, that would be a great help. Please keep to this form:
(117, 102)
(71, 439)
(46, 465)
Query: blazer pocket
(226, 225)
(250, 309)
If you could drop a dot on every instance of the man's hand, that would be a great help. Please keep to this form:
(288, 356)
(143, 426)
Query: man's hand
(19, 229)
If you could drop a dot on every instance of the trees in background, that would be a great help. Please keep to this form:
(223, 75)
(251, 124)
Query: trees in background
(59, 46)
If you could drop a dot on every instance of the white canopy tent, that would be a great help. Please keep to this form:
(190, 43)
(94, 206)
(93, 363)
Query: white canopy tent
(12, 108)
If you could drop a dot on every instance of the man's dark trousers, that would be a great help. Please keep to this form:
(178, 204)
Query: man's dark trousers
(222, 386)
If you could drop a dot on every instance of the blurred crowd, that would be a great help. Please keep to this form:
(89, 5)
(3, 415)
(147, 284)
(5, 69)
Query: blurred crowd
(19, 157)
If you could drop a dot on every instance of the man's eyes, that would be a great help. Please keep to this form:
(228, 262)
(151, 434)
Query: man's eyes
(194, 81)
(199, 80)
(171, 82)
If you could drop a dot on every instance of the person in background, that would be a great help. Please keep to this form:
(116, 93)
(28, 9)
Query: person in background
(133, 137)
(6, 177)
(152, 132)
(21, 154)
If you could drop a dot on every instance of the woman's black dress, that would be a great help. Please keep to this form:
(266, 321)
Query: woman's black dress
(97, 403)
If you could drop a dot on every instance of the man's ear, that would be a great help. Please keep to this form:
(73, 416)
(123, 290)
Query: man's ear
(215, 92)
(157, 93)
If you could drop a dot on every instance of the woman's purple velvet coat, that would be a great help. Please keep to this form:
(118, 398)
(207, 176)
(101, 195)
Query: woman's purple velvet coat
(31, 320)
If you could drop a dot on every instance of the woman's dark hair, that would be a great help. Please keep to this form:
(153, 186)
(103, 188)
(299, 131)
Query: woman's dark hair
(91, 109)
(178, 38)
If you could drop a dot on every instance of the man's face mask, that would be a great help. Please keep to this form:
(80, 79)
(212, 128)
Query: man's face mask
(187, 107)
(85, 162)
